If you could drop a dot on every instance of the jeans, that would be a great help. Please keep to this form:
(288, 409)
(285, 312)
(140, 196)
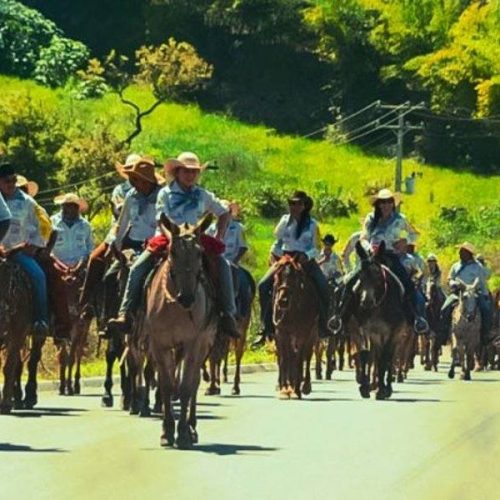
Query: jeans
(39, 283)
(141, 267)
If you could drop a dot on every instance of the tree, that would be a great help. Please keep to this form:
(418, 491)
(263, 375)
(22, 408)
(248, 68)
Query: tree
(173, 71)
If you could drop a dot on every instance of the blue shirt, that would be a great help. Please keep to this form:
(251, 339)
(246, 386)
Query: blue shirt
(74, 241)
(187, 207)
(468, 272)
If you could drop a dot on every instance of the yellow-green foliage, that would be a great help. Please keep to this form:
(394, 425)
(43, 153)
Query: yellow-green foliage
(249, 153)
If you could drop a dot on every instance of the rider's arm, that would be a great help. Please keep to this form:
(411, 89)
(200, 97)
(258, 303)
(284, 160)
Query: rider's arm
(312, 252)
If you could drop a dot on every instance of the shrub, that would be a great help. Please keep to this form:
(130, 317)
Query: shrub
(328, 204)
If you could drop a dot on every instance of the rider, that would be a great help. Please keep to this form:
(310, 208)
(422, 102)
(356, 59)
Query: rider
(349, 249)
(433, 270)
(297, 233)
(385, 224)
(96, 264)
(136, 224)
(467, 270)
(236, 248)
(24, 231)
(185, 202)
(74, 234)
(329, 261)
(412, 251)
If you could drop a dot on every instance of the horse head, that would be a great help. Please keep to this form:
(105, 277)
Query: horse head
(468, 299)
(185, 257)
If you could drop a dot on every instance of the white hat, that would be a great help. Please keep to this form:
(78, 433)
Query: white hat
(71, 198)
(186, 160)
(386, 194)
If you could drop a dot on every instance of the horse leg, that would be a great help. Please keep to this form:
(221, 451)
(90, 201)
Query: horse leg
(10, 371)
(330, 358)
(281, 344)
(341, 351)
(62, 358)
(239, 348)
(18, 391)
(224, 369)
(213, 388)
(451, 372)
(306, 384)
(296, 370)
(166, 369)
(107, 398)
(71, 364)
(318, 356)
(30, 391)
(364, 382)
(78, 362)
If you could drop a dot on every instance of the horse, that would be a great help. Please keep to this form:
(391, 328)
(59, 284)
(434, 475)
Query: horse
(429, 344)
(223, 345)
(16, 318)
(295, 316)
(73, 279)
(378, 310)
(179, 327)
(465, 330)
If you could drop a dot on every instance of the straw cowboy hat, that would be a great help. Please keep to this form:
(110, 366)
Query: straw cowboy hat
(386, 194)
(31, 186)
(185, 160)
(468, 247)
(62, 199)
(144, 168)
(431, 258)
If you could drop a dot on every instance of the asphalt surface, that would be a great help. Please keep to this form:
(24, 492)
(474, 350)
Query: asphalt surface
(435, 438)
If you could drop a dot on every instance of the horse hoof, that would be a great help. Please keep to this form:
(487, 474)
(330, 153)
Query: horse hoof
(235, 391)
(184, 441)
(107, 401)
(124, 403)
(145, 411)
(306, 389)
(401, 379)
(5, 409)
(18, 405)
(296, 395)
(380, 395)
(29, 404)
(319, 376)
(328, 376)
(284, 394)
(365, 392)
(427, 368)
(61, 391)
(451, 374)
(70, 391)
(212, 391)
(77, 390)
(467, 375)
(167, 440)
(194, 435)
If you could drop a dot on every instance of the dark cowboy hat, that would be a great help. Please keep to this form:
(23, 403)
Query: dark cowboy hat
(303, 197)
(329, 239)
(7, 169)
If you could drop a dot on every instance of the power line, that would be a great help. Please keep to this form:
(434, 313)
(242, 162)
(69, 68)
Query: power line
(356, 113)
(444, 117)
(79, 183)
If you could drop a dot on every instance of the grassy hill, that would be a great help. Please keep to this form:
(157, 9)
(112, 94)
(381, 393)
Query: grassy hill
(255, 163)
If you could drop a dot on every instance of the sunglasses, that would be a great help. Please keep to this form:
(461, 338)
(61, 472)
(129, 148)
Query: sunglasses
(295, 202)
(383, 202)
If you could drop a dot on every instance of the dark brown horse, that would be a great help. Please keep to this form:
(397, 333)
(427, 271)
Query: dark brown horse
(295, 316)
(378, 309)
(179, 327)
(16, 318)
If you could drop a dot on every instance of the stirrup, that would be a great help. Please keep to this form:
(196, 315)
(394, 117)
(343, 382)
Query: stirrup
(335, 324)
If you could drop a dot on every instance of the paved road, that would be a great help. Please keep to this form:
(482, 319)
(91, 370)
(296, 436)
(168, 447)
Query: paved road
(434, 439)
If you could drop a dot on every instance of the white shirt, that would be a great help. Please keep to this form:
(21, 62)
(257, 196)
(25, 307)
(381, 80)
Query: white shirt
(350, 247)
(24, 224)
(330, 265)
(119, 193)
(233, 239)
(74, 243)
(138, 217)
(388, 231)
(306, 243)
(187, 207)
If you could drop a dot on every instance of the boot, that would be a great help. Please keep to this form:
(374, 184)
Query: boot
(228, 326)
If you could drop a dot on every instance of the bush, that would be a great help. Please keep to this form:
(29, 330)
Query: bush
(270, 200)
(90, 83)
(328, 204)
(60, 60)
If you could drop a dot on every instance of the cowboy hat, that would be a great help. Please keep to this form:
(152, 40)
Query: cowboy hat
(144, 168)
(130, 160)
(467, 247)
(329, 239)
(31, 186)
(73, 198)
(431, 257)
(185, 160)
(303, 197)
(386, 194)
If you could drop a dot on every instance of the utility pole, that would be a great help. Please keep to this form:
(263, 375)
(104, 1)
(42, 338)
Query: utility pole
(400, 130)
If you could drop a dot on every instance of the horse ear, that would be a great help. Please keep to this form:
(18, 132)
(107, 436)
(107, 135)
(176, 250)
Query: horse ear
(360, 250)
(203, 224)
(168, 227)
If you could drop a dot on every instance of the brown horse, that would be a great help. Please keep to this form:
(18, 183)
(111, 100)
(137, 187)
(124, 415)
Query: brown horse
(68, 356)
(295, 316)
(223, 345)
(16, 317)
(181, 320)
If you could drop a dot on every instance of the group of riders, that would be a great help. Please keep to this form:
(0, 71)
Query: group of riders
(145, 196)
